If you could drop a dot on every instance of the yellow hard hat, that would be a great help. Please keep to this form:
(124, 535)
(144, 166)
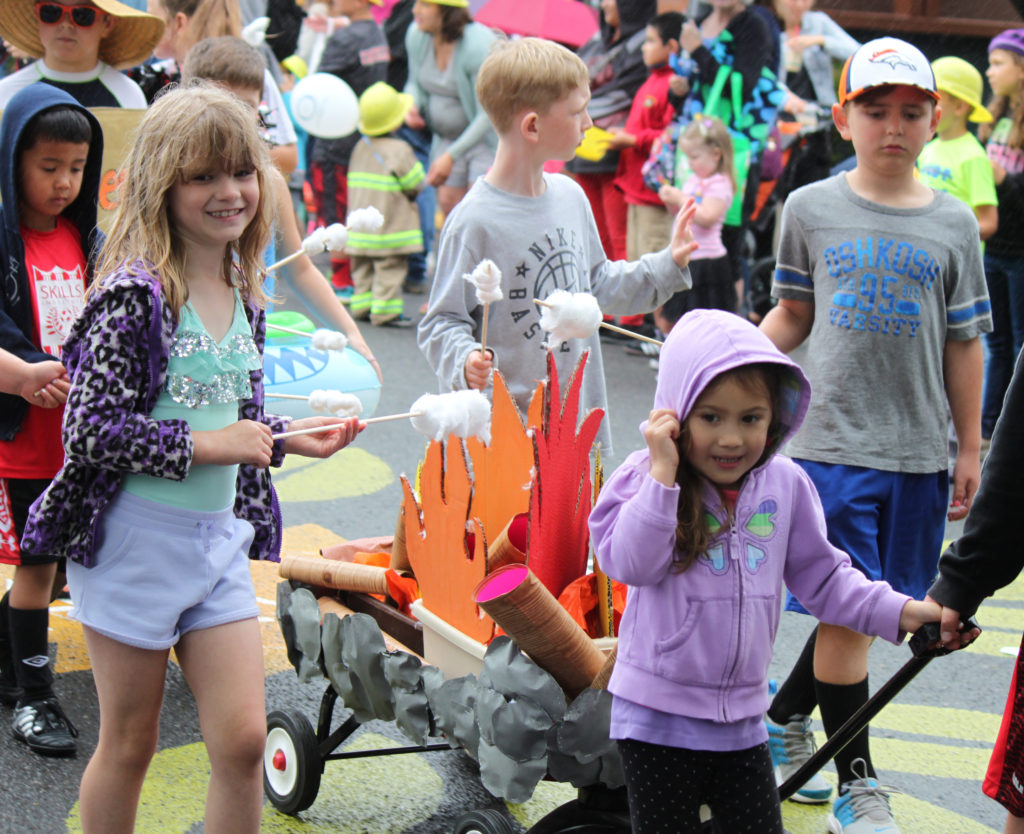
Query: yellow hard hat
(382, 109)
(963, 81)
(460, 4)
(296, 66)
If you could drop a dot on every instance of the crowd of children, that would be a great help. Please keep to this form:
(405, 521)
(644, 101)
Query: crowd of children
(132, 393)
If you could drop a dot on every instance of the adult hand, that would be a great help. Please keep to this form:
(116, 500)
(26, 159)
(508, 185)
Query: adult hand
(440, 169)
(949, 628)
(690, 39)
(414, 119)
(801, 42)
(679, 86)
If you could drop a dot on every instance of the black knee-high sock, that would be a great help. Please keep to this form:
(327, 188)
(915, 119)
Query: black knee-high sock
(796, 696)
(6, 662)
(29, 627)
(838, 702)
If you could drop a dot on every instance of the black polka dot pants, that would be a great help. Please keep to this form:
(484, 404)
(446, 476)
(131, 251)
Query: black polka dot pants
(667, 786)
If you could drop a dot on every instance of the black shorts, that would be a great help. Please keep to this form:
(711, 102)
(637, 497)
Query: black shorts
(16, 496)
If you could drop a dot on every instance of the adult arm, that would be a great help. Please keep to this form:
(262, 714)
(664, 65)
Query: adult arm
(468, 55)
(988, 555)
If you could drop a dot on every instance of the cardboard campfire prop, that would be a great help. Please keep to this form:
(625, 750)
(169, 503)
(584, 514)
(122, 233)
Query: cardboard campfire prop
(500, 526)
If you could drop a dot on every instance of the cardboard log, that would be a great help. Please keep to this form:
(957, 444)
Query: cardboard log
(520, 604)
(510, 546)
(602, 678)
(399, 555)
(328, 573)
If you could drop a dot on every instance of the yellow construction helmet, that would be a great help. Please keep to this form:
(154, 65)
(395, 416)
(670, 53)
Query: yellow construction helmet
(382, 109)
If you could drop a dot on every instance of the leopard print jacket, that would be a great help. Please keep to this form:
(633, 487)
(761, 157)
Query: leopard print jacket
(116, 355)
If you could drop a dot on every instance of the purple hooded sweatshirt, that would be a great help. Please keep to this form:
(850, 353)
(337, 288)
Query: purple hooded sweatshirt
(698, 643)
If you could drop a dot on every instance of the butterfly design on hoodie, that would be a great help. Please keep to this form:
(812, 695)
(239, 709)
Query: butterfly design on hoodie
(757, 526)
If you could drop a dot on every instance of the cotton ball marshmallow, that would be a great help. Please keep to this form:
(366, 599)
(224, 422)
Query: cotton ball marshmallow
(324, 339)
(569, 316)
(335, 237)
(315, 243)
(335, 402)
(462, 413)
(487, 280)
(367, 219)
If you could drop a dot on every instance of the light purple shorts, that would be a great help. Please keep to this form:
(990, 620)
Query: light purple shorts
(162, 571)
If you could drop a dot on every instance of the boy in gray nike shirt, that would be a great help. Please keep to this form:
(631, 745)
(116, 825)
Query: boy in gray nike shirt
(539, 230)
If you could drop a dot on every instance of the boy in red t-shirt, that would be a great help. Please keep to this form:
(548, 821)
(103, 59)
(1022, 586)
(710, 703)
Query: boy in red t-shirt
(49, 180)
(648, 222)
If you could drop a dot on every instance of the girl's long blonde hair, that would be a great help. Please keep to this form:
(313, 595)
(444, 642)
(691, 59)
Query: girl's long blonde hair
(186, 131)
(1010, 106)
(711, 132)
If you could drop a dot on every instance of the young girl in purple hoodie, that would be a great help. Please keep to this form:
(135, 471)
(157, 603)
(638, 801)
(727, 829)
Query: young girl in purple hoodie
(706, 525)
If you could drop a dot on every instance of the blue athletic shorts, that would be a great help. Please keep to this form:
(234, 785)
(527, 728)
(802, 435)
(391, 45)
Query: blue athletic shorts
(162, 571)
(891, 523)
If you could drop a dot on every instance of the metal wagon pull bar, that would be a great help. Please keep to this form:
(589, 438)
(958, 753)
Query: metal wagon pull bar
(921, 644)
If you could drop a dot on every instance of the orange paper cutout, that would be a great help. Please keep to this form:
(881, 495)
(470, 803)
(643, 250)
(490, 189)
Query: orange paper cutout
(501, 471)
(447, 550)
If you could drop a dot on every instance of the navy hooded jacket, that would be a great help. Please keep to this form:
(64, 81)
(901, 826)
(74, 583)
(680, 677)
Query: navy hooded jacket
(16, 322)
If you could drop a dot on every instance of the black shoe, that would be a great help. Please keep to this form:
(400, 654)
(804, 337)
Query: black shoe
(44, 727)
(397, 321)
(639, 348)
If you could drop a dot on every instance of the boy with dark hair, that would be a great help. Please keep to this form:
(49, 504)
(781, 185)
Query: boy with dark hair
(49, 181)
(539, 230)
(883, 277)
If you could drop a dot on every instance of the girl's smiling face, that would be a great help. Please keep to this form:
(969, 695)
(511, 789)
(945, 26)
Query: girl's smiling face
(211, 208)
(727, 430)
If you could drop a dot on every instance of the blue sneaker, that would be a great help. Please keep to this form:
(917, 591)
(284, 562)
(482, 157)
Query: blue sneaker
(862, 807)
(791, 745)
(344, 294)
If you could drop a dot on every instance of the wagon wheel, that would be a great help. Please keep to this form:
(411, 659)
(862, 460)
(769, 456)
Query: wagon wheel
(291, 762)
(484, 821)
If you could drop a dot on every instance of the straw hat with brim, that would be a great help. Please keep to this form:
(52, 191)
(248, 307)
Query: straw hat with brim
(129, 43)
(963, 81)
(382, 109)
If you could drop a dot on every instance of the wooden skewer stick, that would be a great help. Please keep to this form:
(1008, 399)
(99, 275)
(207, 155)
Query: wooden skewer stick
(276, 396)
(614, 327)
(483, 331)
(291, 330)
(318, 429)
(292, 257)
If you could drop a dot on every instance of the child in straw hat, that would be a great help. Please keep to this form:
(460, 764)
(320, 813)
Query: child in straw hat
(81, 47)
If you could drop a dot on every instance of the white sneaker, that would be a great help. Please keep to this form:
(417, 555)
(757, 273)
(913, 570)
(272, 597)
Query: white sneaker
(791, 745)
(863, 807)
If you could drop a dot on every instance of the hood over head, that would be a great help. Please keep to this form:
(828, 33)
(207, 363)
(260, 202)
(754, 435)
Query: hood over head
(20, 110)
(706, 343)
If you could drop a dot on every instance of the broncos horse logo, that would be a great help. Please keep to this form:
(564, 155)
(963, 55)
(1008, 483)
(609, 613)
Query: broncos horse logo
(892, 58)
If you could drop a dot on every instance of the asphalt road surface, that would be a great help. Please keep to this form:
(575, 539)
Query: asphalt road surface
(932, 742)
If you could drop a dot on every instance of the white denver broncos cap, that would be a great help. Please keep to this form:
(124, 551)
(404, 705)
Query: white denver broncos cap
(885, 61)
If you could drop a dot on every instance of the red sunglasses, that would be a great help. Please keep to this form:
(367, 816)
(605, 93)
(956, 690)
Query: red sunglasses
(50, 14)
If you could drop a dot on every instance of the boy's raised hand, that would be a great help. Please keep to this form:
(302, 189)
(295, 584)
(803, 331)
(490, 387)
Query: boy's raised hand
(661, 434)
(682, 244)
(478, 369)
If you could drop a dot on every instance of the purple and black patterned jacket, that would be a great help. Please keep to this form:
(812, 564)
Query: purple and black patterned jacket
(118, 368)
